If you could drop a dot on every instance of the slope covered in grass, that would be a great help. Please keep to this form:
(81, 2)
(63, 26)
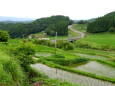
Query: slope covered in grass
(102, 38)
(10, 71)
(101, 41)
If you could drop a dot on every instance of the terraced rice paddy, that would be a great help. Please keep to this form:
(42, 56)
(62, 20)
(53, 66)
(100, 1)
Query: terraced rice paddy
(91, 56)
(97, 68)
(70, 77)
(44, 54)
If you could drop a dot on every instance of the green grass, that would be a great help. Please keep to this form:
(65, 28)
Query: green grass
(101, 38)
(72, 34)
(14, 41)
(10, 71)
(80, 27)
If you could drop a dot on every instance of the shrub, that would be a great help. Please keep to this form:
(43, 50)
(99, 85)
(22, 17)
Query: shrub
(24, 53)
(43, 42)
(69, 47)
(65, 45)
(4, 36)
(60, 44)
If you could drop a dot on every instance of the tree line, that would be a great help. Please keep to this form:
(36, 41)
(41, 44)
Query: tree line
(50, 25)
(103, 24)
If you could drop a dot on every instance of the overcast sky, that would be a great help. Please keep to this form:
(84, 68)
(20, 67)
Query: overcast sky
(75, 9)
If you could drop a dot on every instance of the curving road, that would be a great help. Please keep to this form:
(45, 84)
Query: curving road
(81, 34)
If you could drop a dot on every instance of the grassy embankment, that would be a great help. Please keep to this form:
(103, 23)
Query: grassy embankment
(10, 71)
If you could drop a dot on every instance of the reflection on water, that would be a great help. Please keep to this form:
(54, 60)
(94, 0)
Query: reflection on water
(91, 56)
(96, 68)
(44, 54)
(76, 65)
(70, 77)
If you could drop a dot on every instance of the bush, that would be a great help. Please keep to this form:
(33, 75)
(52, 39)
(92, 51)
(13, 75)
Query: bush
(65, 45)
(4, 36)
(24, 53)
(43, 42)
(60, 44)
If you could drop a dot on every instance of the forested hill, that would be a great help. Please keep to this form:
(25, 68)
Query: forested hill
(103, 24)
(49, 24)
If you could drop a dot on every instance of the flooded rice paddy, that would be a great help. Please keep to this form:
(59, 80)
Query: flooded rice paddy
(96, 68)
(91, 56)
(44, 54)
(70, 77)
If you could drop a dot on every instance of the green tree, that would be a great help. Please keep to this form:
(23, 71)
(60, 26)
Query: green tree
(48, 24)
(81, 22)
(4, 36)
(102, 24)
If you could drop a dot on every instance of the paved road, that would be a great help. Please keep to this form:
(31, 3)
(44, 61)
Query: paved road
(81, 34)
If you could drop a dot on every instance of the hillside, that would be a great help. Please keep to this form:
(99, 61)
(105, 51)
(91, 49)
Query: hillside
(49, 24)
(103, 24)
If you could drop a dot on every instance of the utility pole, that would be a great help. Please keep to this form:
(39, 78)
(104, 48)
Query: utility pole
(55, 42)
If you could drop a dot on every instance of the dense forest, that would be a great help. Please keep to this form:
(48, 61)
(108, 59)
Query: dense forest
(49, 24)
(103, 24)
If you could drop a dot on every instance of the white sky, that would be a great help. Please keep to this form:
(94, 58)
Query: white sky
(75, 9)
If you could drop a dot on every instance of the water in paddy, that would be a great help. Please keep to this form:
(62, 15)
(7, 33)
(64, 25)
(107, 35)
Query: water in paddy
(96, 68)
(44, 54)
(70, 77)
(91, 56)
(76, 65)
